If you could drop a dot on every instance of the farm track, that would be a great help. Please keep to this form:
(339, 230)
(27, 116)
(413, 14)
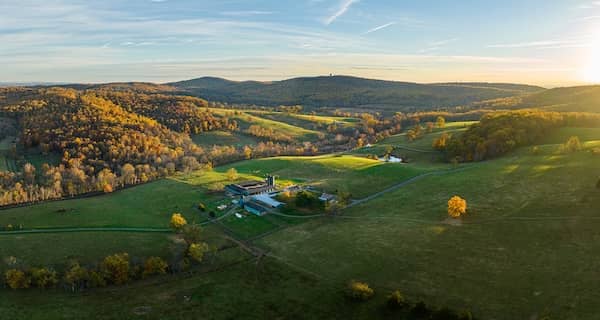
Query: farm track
(406, 182)
(414, 150)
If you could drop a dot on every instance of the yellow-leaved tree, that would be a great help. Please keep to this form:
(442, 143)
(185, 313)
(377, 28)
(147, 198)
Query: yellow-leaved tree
(17, 279)
(177, 221)
(197, 251)
(232, 174)
(154, 265)
(457, 207)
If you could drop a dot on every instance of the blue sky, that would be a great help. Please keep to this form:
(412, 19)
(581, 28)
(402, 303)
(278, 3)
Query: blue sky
(549, 43)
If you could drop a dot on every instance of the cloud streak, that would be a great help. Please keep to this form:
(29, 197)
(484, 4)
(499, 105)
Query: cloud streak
(381, 27)
(344, 7)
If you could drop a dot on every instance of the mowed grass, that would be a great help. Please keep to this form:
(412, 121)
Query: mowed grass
(562, 135)
(358, 175)
(223, 138)
(311, 122)
(38, 159)
(7, 163)
(245, 120)
(58, 249)
(145, 206)
(426, 141)
(525, 248)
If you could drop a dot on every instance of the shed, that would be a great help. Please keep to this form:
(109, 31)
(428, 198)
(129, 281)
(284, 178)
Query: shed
(254, 208)
(325, 197)
(263, 198)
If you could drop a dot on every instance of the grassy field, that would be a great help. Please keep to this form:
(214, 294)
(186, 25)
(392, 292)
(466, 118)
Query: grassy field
(418, 152)
(246, 290)
(32, 249)
(7, 163)
(220, 138)
(526, 243)
(149, 205)
(37, 159)
(246, 119)
(525, 249)
(311, 122)
(358, 175)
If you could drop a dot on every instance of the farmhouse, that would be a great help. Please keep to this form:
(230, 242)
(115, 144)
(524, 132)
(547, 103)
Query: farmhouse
(249, 188)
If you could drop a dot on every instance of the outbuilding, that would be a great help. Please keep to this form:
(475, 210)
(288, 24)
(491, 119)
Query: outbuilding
(255, 208)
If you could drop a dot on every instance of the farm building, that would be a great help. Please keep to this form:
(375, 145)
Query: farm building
(254, 208)
(249, 188)
(325, 197)
(268, 200)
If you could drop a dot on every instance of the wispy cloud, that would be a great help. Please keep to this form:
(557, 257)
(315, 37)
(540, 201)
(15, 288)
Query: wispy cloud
(544, 44)
(437, 45)
(383, 26)
(246, 13)
(344, 6)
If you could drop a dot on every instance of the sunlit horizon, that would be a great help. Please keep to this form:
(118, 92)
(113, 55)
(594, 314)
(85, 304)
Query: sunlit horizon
(74, 41)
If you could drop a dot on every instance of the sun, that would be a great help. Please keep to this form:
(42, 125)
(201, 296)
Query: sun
(591, 71)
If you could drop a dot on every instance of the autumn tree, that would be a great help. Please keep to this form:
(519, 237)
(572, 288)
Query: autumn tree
(440, 122)
(197, 251)
(177, 221)
(359, 290)
(247, 152)
(154, 266)
(396, 300)
(429, 127)
(232, 174)
(192, 233)
(572, 145)
(115, 268)
(457, 207)
(17, 279)
(441, 141)
(76, 276)
(43, 277)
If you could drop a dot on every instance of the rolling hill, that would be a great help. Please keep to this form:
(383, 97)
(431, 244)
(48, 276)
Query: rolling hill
(351, 92)
(580, 99)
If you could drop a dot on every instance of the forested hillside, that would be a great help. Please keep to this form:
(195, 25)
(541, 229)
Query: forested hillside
(59, 142)
(351, 92)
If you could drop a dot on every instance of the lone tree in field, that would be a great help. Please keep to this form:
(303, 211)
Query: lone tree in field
(396, 300)
(232, 174)
(177, 221)
(359, 290)
(440, 122)
(457, 207)
(572, 145)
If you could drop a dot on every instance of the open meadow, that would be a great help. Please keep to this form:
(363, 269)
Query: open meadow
(527, 241)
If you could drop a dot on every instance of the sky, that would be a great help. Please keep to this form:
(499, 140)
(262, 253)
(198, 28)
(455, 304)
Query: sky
(543, 42)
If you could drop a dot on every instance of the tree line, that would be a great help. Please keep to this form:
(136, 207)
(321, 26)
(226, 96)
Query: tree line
(501, 132)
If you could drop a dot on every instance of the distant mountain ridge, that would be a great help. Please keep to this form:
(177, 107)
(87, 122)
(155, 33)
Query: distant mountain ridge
(349, 92)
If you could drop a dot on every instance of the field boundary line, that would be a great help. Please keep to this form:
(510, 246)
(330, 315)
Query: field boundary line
(74, 230)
